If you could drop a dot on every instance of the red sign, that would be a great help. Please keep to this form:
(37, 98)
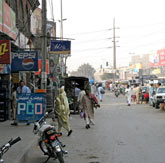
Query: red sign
(7, 20)
(161, 54)
(39, 67)
(5, 52)
(158, 59)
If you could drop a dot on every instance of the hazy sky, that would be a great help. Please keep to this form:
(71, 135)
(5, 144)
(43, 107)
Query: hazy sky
(141, 30)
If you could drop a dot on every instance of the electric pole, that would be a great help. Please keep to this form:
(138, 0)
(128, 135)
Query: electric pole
(44, 46)
(114, 46)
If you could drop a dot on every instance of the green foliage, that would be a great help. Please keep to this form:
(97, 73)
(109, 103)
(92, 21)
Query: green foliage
(85, 70)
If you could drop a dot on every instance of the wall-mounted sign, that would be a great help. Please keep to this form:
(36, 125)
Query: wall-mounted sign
(5, 68)
(24, 61)
(7, 20)
(157, 59)
(30, 107)
(5, 49)
(60, 47)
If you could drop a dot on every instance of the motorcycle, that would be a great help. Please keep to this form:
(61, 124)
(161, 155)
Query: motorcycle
(48, 140)
(117, 93)
(6, 147)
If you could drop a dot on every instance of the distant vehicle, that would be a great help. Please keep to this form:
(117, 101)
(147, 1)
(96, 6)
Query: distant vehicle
(145, 78)
(159, 97)
(161, 80)
(70, 84)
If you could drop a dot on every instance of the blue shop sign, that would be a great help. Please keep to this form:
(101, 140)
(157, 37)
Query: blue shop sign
(24, 61)
(60, 47)
(30, 107)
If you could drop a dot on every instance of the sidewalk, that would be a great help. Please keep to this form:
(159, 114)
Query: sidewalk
(17, 152)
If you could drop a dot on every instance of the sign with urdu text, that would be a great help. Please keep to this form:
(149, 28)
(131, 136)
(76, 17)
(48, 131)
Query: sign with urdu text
(30, 107)
(60, 47)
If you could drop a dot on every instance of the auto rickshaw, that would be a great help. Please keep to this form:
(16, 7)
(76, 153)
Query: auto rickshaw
(71, 83)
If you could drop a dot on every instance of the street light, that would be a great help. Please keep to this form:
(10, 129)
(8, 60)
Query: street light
(61, 27)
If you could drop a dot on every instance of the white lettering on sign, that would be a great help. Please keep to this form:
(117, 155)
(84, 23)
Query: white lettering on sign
(21, 107)
(23, 55)
(30, 108)
(60, 47)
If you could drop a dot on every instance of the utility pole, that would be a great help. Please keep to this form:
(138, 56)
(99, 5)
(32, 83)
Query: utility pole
(44, 46)
(114, 45)
(61, 30)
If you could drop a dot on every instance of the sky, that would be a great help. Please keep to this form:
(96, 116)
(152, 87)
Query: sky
(140, 29)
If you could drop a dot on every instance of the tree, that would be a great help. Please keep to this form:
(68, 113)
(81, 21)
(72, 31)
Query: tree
(85, 70)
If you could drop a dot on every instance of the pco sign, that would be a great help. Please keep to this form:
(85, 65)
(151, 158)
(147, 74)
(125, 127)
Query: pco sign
(30, 107)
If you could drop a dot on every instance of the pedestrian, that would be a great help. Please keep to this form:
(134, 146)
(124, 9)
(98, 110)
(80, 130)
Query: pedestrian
(151, 91)
(63, 112)
(93, 89)
(23, 88)
(101, 92)
(14, 105)
(129, 92)
(137, 93)
(89, 102)
(76, 93)
(79, 100)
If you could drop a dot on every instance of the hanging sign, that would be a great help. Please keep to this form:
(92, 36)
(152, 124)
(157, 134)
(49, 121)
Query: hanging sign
(24, 61)
(60, 47)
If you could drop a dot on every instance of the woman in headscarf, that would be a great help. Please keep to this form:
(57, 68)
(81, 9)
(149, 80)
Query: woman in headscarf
(63, 112)
(89, 102)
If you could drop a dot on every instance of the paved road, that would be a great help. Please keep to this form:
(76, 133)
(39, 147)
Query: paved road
(122, 134)
(17, 152)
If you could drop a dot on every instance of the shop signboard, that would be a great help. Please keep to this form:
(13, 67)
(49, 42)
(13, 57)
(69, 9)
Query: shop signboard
(1, 14)
(5, 68)
(30, 107)
(5, 50)
(36, 21)
(24, 61)
(158, 59)
(40, 67)
(7, 20)
(60, 47)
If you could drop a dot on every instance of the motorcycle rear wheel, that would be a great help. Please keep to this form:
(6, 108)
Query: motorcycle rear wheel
(60, 157)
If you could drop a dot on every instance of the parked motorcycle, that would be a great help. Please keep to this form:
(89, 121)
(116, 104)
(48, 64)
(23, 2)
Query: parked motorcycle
(6, 147)
(48, 140)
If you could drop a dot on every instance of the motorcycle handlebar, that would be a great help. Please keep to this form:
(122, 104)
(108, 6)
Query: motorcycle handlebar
(15, 141)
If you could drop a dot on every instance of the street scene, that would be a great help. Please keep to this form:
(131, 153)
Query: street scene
(120, 134)
(82, 81)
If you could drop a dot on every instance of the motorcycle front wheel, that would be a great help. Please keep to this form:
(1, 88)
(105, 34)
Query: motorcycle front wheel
(60, 157)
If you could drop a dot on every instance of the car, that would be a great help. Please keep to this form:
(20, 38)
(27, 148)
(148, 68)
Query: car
(159, 97)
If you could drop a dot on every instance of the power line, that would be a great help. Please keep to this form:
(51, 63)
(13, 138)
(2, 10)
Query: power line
(92, 40)
(92, 49)
(91, 32)
(143, 25)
